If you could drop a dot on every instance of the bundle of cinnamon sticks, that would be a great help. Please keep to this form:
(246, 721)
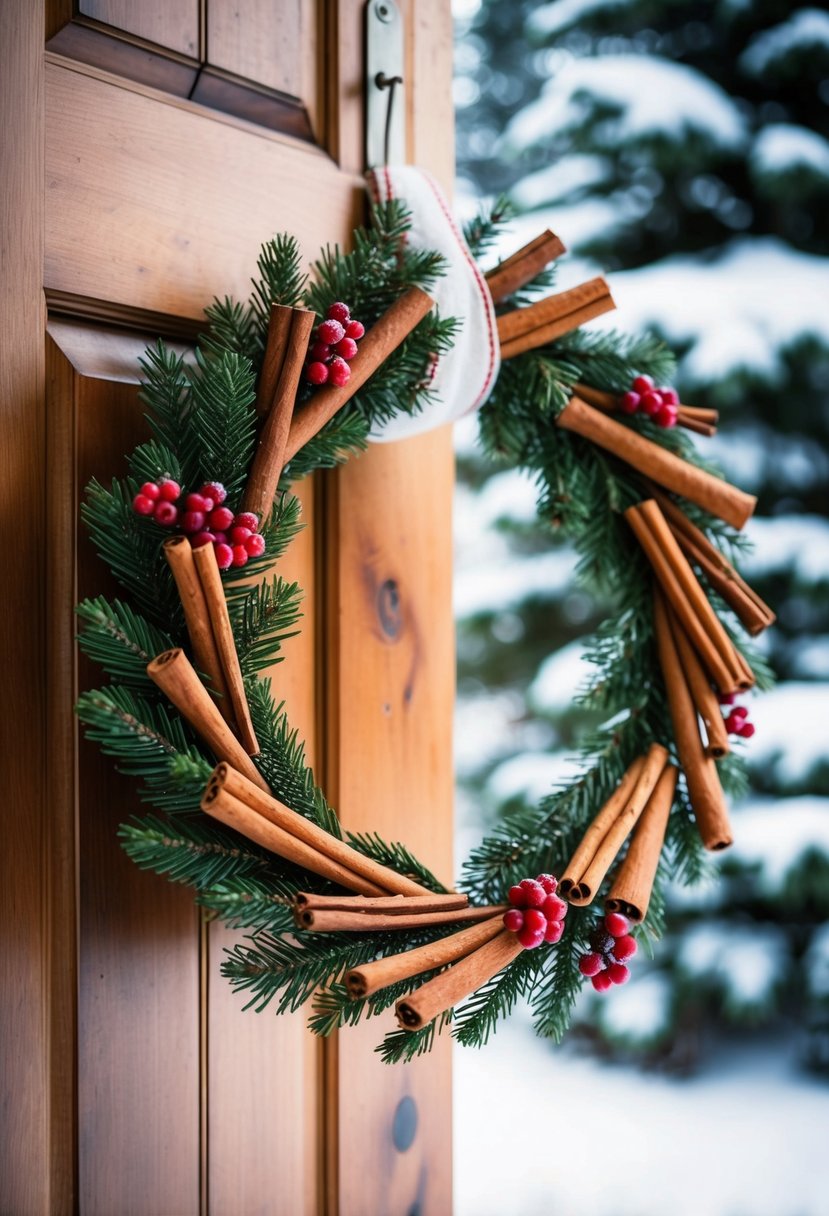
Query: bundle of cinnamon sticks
(642, 800)
(357, 914)
(692, 418)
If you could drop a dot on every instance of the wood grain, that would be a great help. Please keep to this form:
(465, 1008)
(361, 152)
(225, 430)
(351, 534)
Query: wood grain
(275, 45)
(169, 23)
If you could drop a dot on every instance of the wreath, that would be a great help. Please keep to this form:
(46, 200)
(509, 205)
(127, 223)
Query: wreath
(296, 380)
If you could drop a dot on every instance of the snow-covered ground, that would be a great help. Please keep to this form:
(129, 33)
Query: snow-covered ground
(540, 1130)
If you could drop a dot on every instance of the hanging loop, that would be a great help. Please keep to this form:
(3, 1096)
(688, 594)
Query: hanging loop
(387, 82)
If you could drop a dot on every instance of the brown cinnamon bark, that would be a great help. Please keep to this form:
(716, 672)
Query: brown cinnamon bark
(376, 904)
(519, 321)
(717, 652)
(174, 674)
(221, 805)
(705, 701)
(383, 878)
(701, 414)
(384, 337)
(716, 496)
(598, 829)
(457, 982)
(523, 265)
(214, 594)
(343, 921)
(276, 343)
(694, 424)
(372, 977)
(632, 886)
(540, 336)
(619, 830)
(598, 398)
(179, 554)
(704, 789)
(263, 480)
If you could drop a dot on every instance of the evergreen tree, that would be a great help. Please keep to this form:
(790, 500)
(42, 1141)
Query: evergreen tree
(684, 146)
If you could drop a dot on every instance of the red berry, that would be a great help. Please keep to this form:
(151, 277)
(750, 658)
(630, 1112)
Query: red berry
(319, 352)
(642, 384)
(746, 730)
(591, 964)
(601, 981)
(739, 712)
(202, 538)
(669, 395)
(533, 893)
(554, 908)
(624, 947)
(726, 698)
(339, 312)
(214, 490)
(255, 544)
(619, 973)
(516, 897)
(355, 330)
(629, 403)
(666, 416)
(650, 403)
(165, 513)
(553, 932)
(514, 920)
(238, 535)
(221, 519)
(192, 521)
(549, 882)
(247, 519)
(733, 724)
(150, 490)
(240, 555)
(316, 373)
(169, 490)
(339, 372)
(143, 505)
(330, 332)
(220, 538)
(616, 924)
(209, 504)
(346, 347)
(530, 939)
(224, 555)
(194, 502)
(535, 920)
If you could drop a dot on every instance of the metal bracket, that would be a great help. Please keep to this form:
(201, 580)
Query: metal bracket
(385, 107)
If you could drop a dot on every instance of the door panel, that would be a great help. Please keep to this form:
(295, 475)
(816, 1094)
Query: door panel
(173, 24)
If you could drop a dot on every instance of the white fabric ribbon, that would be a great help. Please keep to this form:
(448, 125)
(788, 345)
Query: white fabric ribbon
(463, 378)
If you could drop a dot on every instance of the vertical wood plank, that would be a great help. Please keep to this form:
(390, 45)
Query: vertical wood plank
(262, 1070)
(138, 1003)
(26, 1099)
(170, 23)
(274, 45)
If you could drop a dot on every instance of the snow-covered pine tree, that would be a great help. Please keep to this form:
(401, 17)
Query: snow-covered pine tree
(684, 146)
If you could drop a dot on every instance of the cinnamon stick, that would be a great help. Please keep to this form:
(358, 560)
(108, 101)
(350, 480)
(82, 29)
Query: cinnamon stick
(717, 652)
(715, 496)
(631, 890)
(276, 343)
(457, 982)
(704, 789)
(214, 594)
(719, 572)
(597, 397)
(175, 675)
(701, 421)
(263, 480)
(598, 829)
(520, 321)
(556, 329)
(382, 877)
(221, 805)
(372, 977)
(179, 554)
(705, 702)
(382, 922)
(523, 265)
(371, 905)
(385, 336)
(619, 830)
(701, 414)
(694, 424)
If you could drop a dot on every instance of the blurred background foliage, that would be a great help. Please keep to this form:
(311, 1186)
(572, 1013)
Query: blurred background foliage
(684, 148)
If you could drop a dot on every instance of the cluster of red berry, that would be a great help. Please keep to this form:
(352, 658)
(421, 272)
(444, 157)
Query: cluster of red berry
(736, 723)
(660, 404)
(204, 519)
(537, 914)
(612, 944)
(333, 347)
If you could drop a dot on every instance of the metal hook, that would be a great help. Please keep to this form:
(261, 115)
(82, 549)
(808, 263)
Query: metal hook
(387, 82)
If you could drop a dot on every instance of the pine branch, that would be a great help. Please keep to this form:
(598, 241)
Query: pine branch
(221, 425)
(120, 640)
(274, 966)
(406, 1045)
(263, 621)
(198, 852)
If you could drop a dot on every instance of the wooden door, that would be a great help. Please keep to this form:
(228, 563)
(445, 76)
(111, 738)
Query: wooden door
(147, 151)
